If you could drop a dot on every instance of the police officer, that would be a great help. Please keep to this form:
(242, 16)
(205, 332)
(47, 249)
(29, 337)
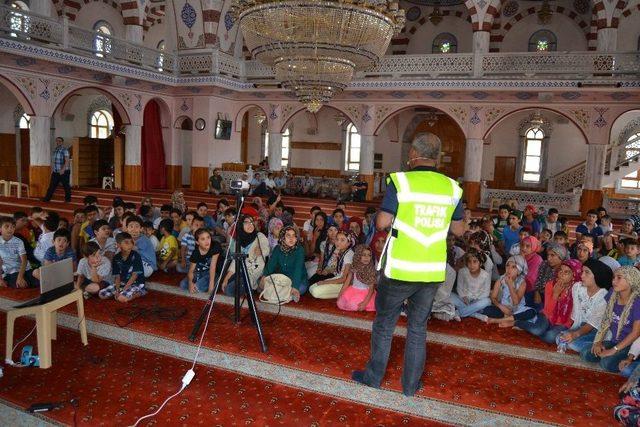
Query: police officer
(421, 206)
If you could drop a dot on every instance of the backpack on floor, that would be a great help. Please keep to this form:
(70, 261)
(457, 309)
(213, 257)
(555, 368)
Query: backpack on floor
(277, 289)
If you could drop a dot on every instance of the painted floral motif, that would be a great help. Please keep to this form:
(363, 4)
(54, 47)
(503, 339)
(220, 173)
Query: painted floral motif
(184, 106)
(138, 105)
(480, 95)
(58, 88)
(570, 96)
(436, 94)
(581, 116)
(524, 95)
(28, 84)
(25, 62)
(381, 112)
(228, 21)
(366, 117)
(475, 119)
(581, 6)
(286, 110)
(600, 121)
(460, 113)
(360, 95)
(620, 96)
(354, 111)
(45, 94)
(398, 94)
(273, 115)
(492, 114)
(126, 99)
(510, 9)
(188, 15)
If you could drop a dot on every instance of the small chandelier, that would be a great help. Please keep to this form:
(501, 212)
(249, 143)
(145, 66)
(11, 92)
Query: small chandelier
(536, 120)
(435, 17)
(260, 118)
(316, 46)
(339, 118)
(431, 119)
(545, 13)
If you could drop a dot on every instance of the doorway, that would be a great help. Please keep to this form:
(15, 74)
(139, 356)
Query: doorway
(504, 173)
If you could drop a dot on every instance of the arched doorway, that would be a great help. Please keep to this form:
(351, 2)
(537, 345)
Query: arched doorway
(184, 136)
(91, 122)
(252, 122)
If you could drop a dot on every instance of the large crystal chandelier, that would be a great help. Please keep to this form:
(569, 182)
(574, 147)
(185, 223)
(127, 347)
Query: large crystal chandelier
(316, 46)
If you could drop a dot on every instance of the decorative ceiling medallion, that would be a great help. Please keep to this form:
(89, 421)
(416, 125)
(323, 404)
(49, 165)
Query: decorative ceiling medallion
(413, 14)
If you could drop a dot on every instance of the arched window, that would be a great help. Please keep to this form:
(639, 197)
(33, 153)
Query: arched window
(18, 22)
(543, 41)
(632, 149)
(444, 43)
(352, 151)
(160, 62)
(532, 171)
(286, 138)
(24, 122)
(101, 124)
(102, 40)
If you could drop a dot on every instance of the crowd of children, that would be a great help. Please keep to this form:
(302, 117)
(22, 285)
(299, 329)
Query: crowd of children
(517, 269)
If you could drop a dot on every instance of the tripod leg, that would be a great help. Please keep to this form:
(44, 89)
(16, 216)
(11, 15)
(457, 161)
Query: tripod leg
(244, 278)
(210, 301)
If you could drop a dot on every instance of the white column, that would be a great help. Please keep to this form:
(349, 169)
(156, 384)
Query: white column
(594, 169)
(42, 7)
(40, 141)
(473, 160)
(275, 151)
(367, 149)
(607, 39)
(135, 34)
(133, 145)
(481, 41)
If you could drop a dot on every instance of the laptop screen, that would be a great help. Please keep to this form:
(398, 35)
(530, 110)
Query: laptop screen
(56, 275)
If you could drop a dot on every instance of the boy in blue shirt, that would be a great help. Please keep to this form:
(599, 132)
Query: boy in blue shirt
(630, 257)
(128, 273)
(143, 245)
(60, 250)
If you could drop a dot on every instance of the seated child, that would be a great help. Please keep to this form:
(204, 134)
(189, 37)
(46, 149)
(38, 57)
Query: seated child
(288, 258)
(507, 296)
(330, 288)
(630, 257)
(202, 263)
(621, 318)
(150, 232)
(142, 245)
(60, 250)
(94, 270)
(474, 286)
(103, 238)
(128, 273)
(45, 241)
(16, 271)
(168, 248)
(358, 293)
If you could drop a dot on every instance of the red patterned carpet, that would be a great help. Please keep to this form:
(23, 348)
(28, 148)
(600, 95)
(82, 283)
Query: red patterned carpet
(487, 381)
(117, 384)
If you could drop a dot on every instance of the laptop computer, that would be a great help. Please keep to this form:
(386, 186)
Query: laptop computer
(56, 280)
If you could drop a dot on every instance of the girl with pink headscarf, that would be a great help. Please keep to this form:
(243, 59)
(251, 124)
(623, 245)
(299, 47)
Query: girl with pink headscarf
(555, 316)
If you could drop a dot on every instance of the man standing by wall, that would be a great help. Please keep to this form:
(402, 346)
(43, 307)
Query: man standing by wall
(421, 206)
(60, 172)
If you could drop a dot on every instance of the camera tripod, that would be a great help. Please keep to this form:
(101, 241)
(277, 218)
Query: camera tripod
(241, 282)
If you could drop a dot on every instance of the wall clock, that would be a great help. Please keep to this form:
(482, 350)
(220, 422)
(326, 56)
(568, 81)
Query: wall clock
(200, 124)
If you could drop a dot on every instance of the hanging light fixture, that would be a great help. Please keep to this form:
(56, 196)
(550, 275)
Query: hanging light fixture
(260, 118)
(545, 13)
(339, 118)
(435, 17)
(536, 120)
(316, 46)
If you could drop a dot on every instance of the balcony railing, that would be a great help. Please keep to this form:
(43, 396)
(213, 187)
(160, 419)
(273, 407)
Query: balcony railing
(56, 34)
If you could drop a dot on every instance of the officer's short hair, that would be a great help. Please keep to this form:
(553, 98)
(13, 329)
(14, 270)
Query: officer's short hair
(427, 145)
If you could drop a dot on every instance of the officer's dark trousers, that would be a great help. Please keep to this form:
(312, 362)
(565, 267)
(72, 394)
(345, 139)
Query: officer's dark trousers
(390, 296)
(57, 178)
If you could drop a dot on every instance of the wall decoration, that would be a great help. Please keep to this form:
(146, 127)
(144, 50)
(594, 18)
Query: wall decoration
(45, 94)
(18, 112)
(480, 95)
(260, 95)
(360, 94)
(436, 94)
(126, 99)
(629, 130)
(25, 62)
(28, 84)
(524, 95)
(138, 105)
(228, 21)
(413, 13)
(510, 9)
(620, 96)
(354, 112)
(492, 114)
(398, 94)
(100, 77)
(381, 112)
(581, 116)
(570, 96)
(582, 6)
(184, 107)
(65, 69)
(286, 109)
(273, 115)
(475, 119)
(366, 117)
(131, 82)
(158, 86)
(459, 113)
(188, 16)
(600, 121)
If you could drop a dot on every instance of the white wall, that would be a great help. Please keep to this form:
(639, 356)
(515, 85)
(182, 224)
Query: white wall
(421, 42)
(570, 36)
(628, 32)
(93, 12)
(328, 131)
(155, 34)
(567, 145)
(78, 107)
(254, 139)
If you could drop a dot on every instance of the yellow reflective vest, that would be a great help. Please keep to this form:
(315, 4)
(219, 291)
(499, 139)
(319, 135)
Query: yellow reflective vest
(416, 249)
